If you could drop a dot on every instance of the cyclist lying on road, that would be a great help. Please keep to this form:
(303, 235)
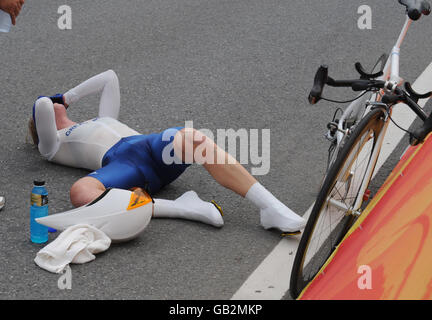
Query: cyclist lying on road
(122, 158)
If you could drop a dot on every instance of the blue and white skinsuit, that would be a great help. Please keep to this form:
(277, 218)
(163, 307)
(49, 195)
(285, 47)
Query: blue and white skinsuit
(119, 156)
(121, 159)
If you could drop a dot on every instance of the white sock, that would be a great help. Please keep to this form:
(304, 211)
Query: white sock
(188, 206)
(274, 214)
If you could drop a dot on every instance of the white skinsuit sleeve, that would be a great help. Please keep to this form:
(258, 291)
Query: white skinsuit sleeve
(46, 127)
(105, 83)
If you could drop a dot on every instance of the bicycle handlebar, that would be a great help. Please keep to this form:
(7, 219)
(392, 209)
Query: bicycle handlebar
(322, 78)
(396, 95)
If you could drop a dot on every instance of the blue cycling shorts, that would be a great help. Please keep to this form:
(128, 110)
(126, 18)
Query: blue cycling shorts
(136, 161)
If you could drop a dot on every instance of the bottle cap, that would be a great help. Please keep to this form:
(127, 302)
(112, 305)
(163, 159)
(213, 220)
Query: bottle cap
(39, 183)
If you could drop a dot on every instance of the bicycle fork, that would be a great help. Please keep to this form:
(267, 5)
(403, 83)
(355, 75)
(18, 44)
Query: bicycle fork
(355, 209)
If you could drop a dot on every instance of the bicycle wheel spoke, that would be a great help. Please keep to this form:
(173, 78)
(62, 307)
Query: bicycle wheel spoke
(340, 197)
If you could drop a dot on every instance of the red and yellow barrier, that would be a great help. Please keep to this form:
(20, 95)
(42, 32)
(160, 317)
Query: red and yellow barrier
(391, 243)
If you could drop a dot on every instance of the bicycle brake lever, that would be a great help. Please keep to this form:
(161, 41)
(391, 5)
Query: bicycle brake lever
(320, 80)
(364, 75)
(416, 95)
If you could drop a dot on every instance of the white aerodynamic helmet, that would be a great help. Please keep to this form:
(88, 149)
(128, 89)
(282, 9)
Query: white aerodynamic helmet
(120, 214)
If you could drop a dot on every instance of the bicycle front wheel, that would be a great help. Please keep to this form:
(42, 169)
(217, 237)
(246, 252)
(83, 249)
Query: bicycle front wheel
(333, 213)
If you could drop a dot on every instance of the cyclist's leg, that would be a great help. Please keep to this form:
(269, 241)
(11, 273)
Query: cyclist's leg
(190, 144)
(221, 165)
(127, 176)
(117, 174)
(85, 190)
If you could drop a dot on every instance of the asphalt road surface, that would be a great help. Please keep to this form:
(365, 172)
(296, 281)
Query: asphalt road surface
(223, 64)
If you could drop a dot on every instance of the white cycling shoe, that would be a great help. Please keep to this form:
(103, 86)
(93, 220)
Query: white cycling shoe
(199, 210)
(189, 206)
(280, 217)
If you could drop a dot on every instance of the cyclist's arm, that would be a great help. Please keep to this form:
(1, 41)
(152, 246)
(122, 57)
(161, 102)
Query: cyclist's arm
(105, 83)
(46, 127)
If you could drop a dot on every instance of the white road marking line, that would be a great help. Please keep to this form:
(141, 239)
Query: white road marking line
(270, 281)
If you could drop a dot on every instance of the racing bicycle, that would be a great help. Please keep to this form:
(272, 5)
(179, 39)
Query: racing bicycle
(355, 139)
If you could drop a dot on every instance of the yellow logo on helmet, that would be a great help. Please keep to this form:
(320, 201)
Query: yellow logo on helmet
(138, 199)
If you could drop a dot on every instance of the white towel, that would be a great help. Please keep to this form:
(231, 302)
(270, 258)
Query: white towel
(77, 244)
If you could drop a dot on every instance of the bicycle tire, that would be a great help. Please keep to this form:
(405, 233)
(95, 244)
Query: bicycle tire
(372, 122)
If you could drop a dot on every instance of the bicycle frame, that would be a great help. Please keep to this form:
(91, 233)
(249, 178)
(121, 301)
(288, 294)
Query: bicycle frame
(355, 110)
(391, 72)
